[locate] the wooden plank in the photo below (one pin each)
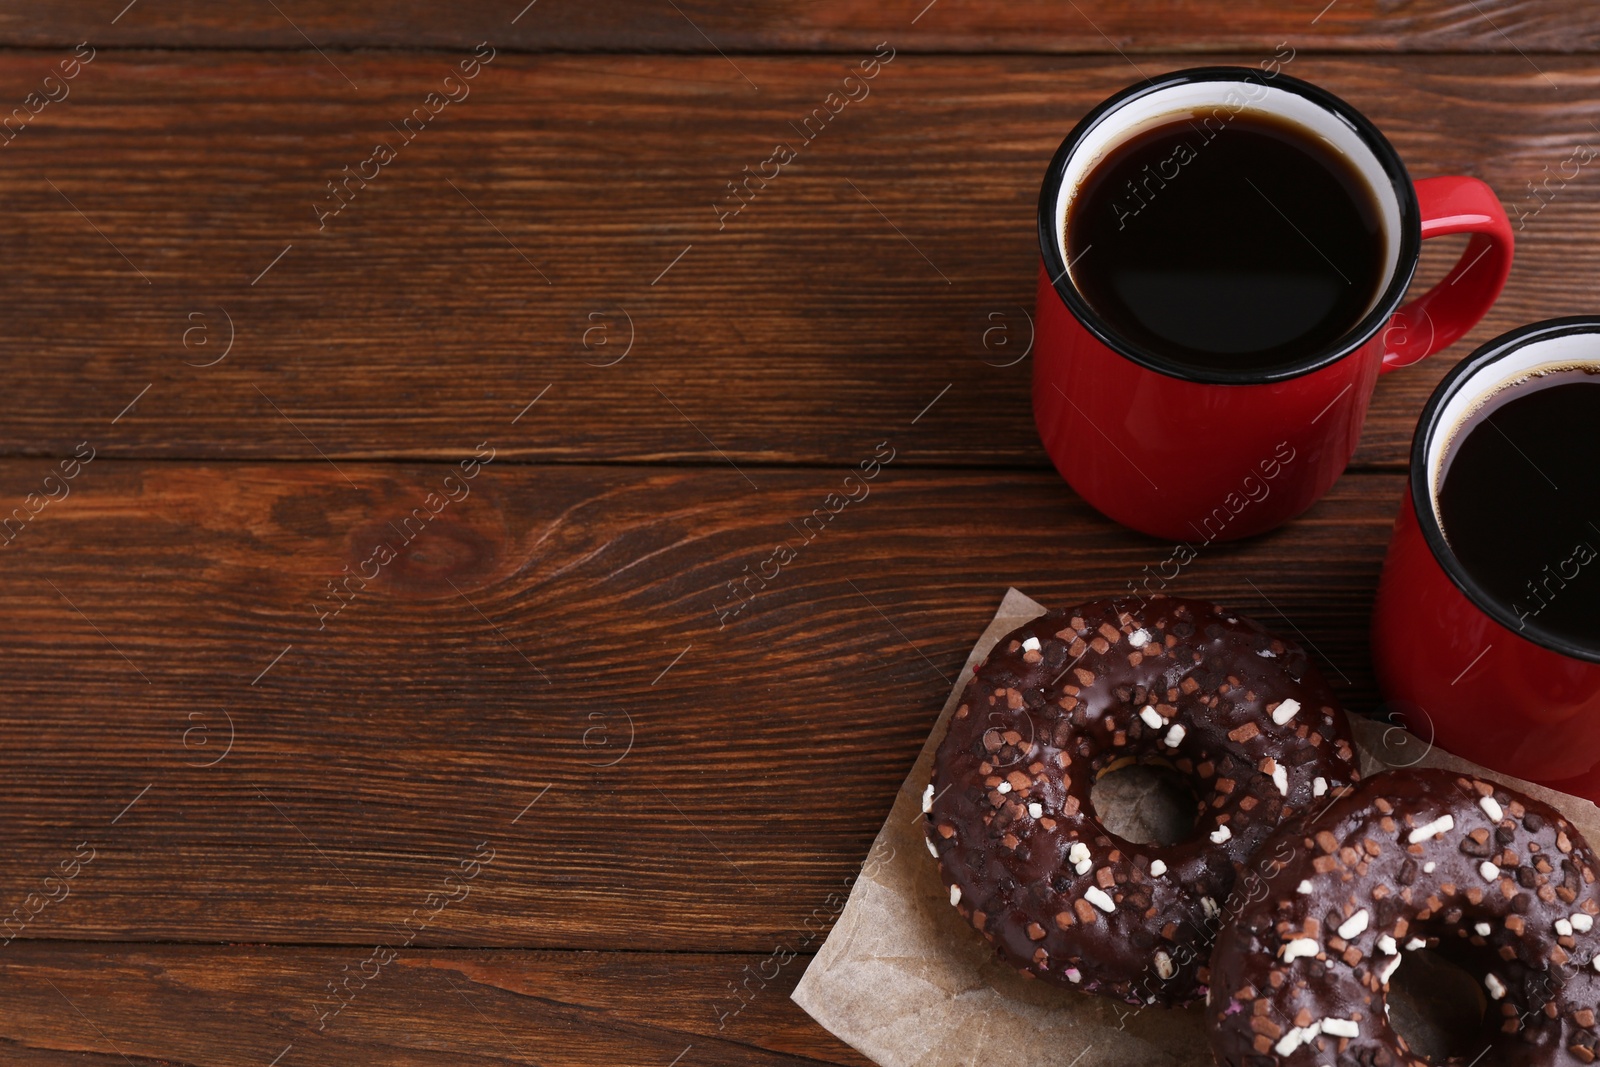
(175, 196)
(244, 1005)
(827, 25)
(550, 670)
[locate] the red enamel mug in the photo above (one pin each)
(1215, 454)
(1458, 666)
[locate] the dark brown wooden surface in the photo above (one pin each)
(379, 750)
(818, 25)
(74, 1003)
(550, 669)
(414, 326)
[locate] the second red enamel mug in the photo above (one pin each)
(1482, 674)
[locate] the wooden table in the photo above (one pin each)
(526, 788)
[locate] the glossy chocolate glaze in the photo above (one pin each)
(1500, 884)
(1071, 695)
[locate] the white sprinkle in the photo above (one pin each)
(1415, 943)
(1280, 778)
(1319, 787)
(931, 850)
(1164, 965)
(1175, 735)
(1266, 653)
(1210, 907)
(1564, 928)
(1157, 868)
(1484, 929)
(1036, 809)
(1582, 922)
(1387, 946)
(1489, 871)
(1433, 829)
(1098, 897)
(1497, 988)
(1078, 856)
(1150, 717)
(1341, 1027)
(1491, 808)
(955, 895)
(1354, 925)
(1139, 638)
(1031, 644)
(1220, 835)
(1596, 962)
(1285, 711)
(927, 799)
(1073, 974)
(1427, 868)
(1303, 946)
(1003, 787)
(1305, 885)
(1386, 972)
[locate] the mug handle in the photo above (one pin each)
(1444, 313)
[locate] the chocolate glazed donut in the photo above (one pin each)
(1074, 694)
(1494, 881)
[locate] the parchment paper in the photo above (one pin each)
(906, 981)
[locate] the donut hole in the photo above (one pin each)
(1436, 1002)
(1145, 803)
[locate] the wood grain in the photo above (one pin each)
(845, 297)
(243, 1005)
(486, 685)
(1196, 26)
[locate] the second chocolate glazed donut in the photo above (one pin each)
(1492, 880)
(1060, 701)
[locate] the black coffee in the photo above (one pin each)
(1226, 241)
(1520, 503)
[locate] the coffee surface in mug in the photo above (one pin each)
(1239, 242)
(1519, 502)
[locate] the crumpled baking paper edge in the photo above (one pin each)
(906, 981)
